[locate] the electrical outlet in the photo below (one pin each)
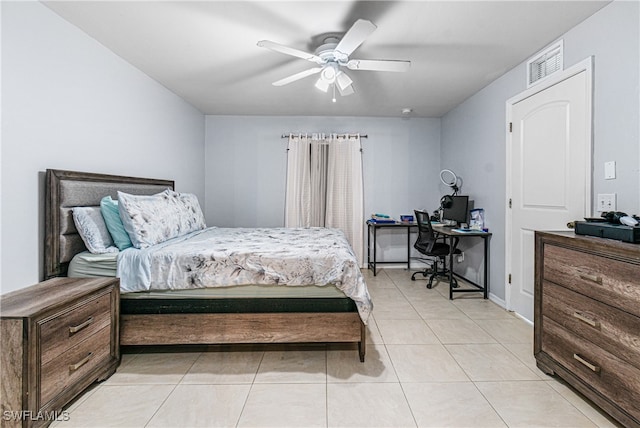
(460, 257)
(606, 202)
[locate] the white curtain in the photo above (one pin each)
(325, 185)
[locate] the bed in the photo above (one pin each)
(229, 313)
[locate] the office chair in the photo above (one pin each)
(427, 244)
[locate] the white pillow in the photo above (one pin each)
(150, 220)
(93, 230)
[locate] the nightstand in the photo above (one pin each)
(58, 337)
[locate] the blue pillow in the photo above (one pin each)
(111, 214)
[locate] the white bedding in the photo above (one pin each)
(218, 257)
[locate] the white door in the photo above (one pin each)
(549, 178)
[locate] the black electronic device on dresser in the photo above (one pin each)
(613, 225)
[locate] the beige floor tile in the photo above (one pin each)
(532, 404)
(293, 366)
(438, 309)
(202, 406)
(387, 295)
(156, 368)
(459, 331)
(367, 405)
(345, 366)
(406, 332)
(583, 404)
(479, 308)
(224, 367)
(425, 363)
(398, 310)
(285, 405)
(508, 331)
(416, 291)
(457, 404)
(381, 280)
(119, 406)
(490, 362)
(524, 352)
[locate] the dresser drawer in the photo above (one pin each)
(603, 371)
(67, 329)
(607, 327)
(67, 368)
(607, 280)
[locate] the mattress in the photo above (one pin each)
(86, 264)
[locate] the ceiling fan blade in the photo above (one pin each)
(359, 31)
(378, 65)
(297, 76)
(290, 51)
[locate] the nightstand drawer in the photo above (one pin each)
(66, 330)
(607, 280)
(75, 363)
(607, 327)
(605, 372)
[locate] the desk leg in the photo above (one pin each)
(375, 231)
(486, 266)
(450, 267)
(368, 246)
(408, 248)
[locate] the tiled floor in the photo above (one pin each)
(430, 362)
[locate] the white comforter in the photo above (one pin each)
(218, 257)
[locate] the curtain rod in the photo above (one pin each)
(326, 133)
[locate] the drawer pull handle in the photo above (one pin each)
(592, 278)
(82, 362)
(586, 363)
(587, 320)
(77, 328)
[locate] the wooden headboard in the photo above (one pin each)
(68, 189)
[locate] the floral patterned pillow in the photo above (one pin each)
(150, 220)
(93, 230)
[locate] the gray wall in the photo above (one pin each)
(70, 103)
(246, 161)
(473, 134)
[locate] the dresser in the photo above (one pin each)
(58, 337)
(587, 318)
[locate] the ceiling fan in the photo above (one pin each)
(332, 55)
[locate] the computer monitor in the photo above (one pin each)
(458, 211)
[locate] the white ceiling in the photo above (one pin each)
(206, 52)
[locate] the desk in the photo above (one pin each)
(454, 235)
(372, 229)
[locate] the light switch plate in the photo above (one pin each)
(606, 202)
(610, 170)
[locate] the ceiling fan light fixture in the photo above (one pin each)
(322, 84)
(328, 73)
(343, 80)
(346, 91)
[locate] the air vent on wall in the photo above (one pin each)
(545, 63)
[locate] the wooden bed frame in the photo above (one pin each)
(66, 189)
